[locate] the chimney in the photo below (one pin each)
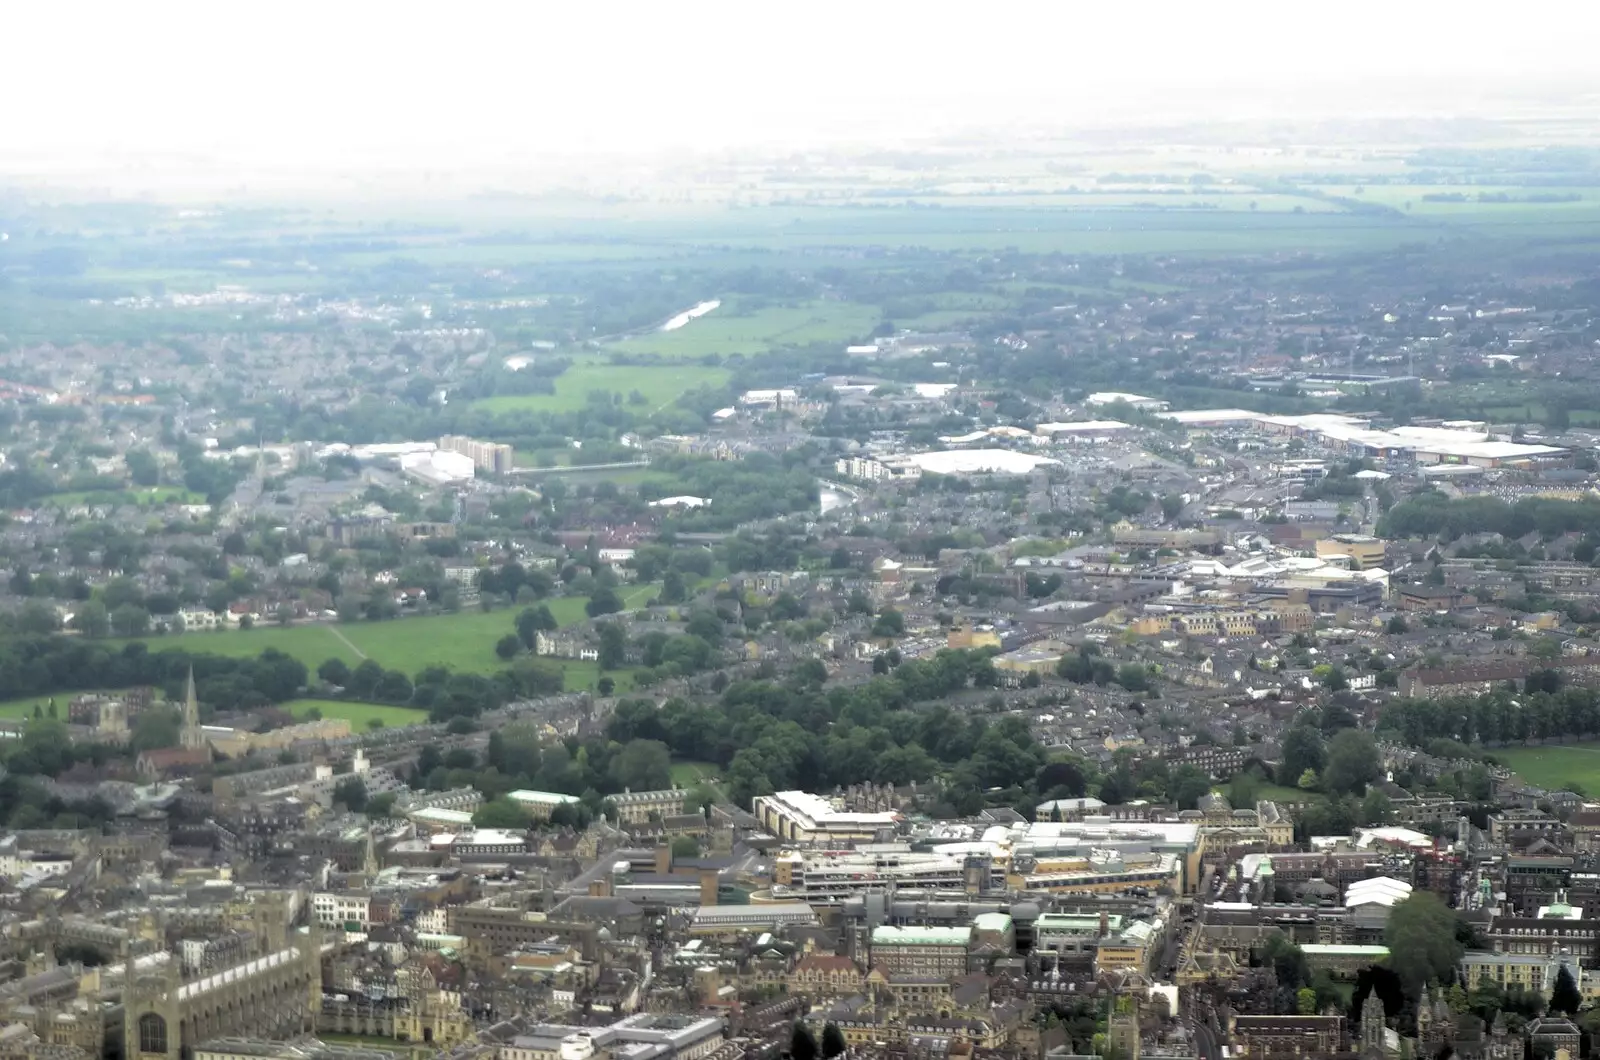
(663, 859)
(1105, 924)
(600, 888)
(708, 886)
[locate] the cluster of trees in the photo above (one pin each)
(40, 665)
(1496, 717)
(760, 486)
(443, 693)
(1087, 666)
(590, 769)
(767, 735)
(1435, 515)
(1148, 778)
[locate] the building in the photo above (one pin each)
(645, 1036)
(801, 817)
(831, 877)
(493, 457)
(938, 952)
(1343, 960)
(1529, 971)
(1364, 552)
(275, 995)
(637, 807)
(1113, 397)
(540, 804)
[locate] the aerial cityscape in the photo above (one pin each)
(1116, 582)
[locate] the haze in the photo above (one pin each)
(151, 95)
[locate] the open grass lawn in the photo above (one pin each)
(359, 715)
(661, 384)
(688, 772)
(731, 329)
(463, 641)
(311, 644)
(23, 707)
(1555, 766)
(1279, 793)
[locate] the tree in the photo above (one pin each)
(1422, 942)
(500, 813)
(508, 646)
(802, 1044)
(1171, 507)
(91, 619)
(156, 727)
(889, 623)
(1564, 996)
(605, 686)
(130, 620)
(380, 805)
(613, 645)
(351, 793)
(685, 846)
(532, 620)
(334, 672)
(37, 617)
(643, 765)
(1187, 785)
(833, 1043)
(604, 601)
(1353, 762)
(1302, 750)
(1397, 626)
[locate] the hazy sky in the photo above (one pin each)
(325, 84)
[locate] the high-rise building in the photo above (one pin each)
(495, 457)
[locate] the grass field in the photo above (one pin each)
(1573, 765)
(463, 641)
(660, 385)
(689, 772)
(359, 715)
(728, 329)
(23, 707)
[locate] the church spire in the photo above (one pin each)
(191, 736)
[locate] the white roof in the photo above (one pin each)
(1366, 837)
(978, 461)
(1082, 425)
(1107, 397)
(680, 502)
(1213, 416)
(1381, 890)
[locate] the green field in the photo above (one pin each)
(660, 385)
(687, 773)
(1573, 765)
(23, 707)
(729, 329)
(359, 715)
(462, 641)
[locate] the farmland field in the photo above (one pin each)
(728, 329)
(1573, 765)
(358, 714)
(660, 385)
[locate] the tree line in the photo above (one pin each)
(1435, 515)
(1499, 716)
